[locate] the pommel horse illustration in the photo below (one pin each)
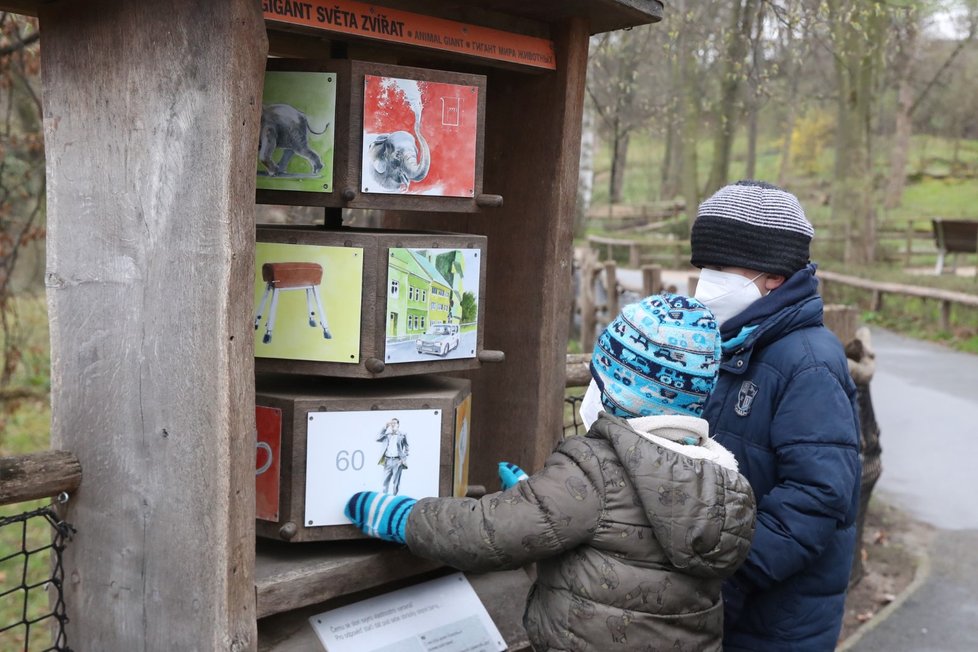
(291, 276)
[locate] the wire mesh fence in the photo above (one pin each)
(32, 608)
(572, 416)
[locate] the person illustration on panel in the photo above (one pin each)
(394, 457)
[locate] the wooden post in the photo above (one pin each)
(151, 113)
(633, 256)
(945, 315)
(841, 320)
(877, 300)
(611, 287)
(691, 284)
(651, 279)
(907, 255)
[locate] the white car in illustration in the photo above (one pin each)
(439, 340)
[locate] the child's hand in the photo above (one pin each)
(380, 515)
(510, 474)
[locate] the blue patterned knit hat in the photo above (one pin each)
(659, 356)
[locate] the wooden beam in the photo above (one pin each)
(578, 370)
(290, 576)
(25, 7)
(38, 475)
(899, 288)
(151, 111)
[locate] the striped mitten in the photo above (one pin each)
(510, 474)
(380, 515)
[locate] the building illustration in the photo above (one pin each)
(424, 288)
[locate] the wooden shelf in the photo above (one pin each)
(502, 593)
(291, 576)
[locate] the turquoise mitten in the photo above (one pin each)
(510, 474)
(380, 515)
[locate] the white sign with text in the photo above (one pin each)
(442, 615)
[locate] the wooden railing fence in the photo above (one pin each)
(946, 298)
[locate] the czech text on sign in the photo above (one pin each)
(370, 21)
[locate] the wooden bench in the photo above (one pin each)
(953, 237)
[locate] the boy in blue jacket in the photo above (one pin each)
(785, 405)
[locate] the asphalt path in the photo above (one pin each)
(926, 401)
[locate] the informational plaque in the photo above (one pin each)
(443, 615)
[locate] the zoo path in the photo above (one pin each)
(926, 402)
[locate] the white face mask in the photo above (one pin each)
(591, 405)
(726, 294)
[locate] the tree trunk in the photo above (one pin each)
(903, 120)
(585, 176)
(857, 64)
(619, 160)
(689, 129)
(667, 183)
(751, 167)
(728, 108)
(784, 167)
(672, 160)
(754, 105)
(791, 72)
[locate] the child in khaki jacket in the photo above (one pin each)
(633, 526)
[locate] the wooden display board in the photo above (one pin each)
(378, 303)
(336, 437)
(399, 137)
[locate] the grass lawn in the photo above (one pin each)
(25, 428)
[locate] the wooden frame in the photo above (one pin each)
(347, 190)
(297, 397)
(150, 191)
(373, 306)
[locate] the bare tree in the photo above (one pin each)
(619, 94)
(905, 60)
(729, 105)
(858, 30)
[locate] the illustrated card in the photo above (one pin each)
(295, 140)
(391, 451)
(432, 304)
(419, 137)
(463, 419)
(307, 302)
(268, 449)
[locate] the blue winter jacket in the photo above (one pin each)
(785, 405)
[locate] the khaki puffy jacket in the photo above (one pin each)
(632, 538)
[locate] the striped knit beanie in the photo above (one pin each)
(659, 356)
(754, 225)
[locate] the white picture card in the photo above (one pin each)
(392, 451)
